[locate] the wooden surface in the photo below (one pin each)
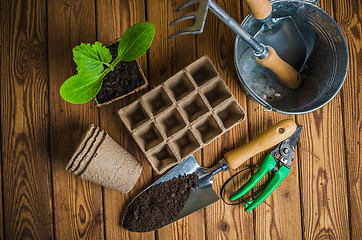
(320, 199)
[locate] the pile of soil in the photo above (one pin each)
(159, 204)
(125, 77)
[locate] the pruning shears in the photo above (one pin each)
(278, 162)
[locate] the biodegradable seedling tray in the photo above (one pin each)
(182, 115)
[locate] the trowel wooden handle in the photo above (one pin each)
(260, 9)
(285, 73)
(267, 139)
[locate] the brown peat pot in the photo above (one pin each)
(125, 79)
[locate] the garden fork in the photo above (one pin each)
(265, 55)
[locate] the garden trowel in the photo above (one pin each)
(204, 194)
(280, 33)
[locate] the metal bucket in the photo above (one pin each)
(323, 74)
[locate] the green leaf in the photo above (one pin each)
(135, 41)
(80, 88)
(90, 58)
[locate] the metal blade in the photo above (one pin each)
(188, 166)
(201, 196)
(295, 137)
(286, 39)
(285, 152)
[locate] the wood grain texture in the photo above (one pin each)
(2, 237)
(113, 18)
(78, 212)
(165, 58)
(284, 202)
(320, 199)
(323, 170)
(348, 15)
(24, 121)
(217, 41)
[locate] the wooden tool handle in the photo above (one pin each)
(260, 9)
(267, 139)
(285, 73)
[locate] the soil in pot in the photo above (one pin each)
(125, 78)
(159, 205)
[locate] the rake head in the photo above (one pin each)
(199, 15)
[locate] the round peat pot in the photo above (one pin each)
(323, 74)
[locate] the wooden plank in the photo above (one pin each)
(2, 227)
(284, 202)
(2, 237)
(24, 121)
(348, 15)
(1, 185)
(165, 58)
(323, 170)
(113, 18)
(217, 41)
(78, 212)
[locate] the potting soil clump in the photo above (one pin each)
(159, 204)
(124, 78)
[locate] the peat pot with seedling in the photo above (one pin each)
(108, 73)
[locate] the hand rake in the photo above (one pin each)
(266, 55)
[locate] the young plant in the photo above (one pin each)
(94, 62)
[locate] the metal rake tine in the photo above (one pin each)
(183, 31)
(186, 4)
(185, 16)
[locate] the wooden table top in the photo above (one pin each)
(321, 198)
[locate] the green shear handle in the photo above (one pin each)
(268, 165)
(278, 161)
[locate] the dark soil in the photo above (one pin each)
(125, 77)
(159, 204)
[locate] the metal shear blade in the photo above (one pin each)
(285, 152)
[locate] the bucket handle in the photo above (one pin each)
(267, 106)
(268, 109)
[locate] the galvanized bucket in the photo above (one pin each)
(324, 72)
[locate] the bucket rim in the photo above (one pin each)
(256, 98)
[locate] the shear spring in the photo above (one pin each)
(244, 200)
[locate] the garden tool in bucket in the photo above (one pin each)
(266, 55)
(324, 71)
(281, 33)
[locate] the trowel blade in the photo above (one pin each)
(287, 41)
(200, 197)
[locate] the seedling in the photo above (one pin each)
(94, 62)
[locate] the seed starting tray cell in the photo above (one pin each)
(182, 115)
